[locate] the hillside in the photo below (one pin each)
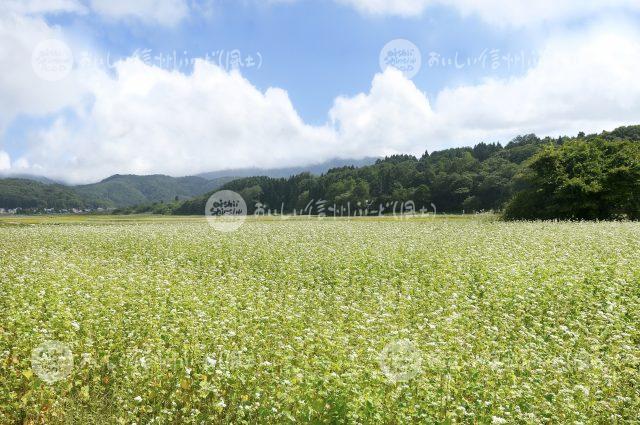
(40, 179)
(316, 169)
(122, 191)
(127, 190)
(480, 178)
(113, 192)
(22, 193)
(457, 179)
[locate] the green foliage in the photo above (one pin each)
(598, 179)
(589, 177)
(593, 178)
(130, 190)
(116, 191)
(624, 133)
(21, 193)
(481, 176)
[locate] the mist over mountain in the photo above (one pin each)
(316, 169)
(120, 191)
(32, 177)
(113, 192)
(591, 177)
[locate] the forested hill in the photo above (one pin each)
(119, 191)
(115, 191)
(484, 177)
(316, 169)
(454, 179)
(23, 193)
(589, 176)
(128, 190)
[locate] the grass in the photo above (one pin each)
(284, 321)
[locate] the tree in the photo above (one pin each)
(581, 179)
(471, 204)
(422, 196)
(591, 177)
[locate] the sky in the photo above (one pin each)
(91, 88)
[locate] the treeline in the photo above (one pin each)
(590, 177)
(22, 193)
(470, 179)
(115, 191)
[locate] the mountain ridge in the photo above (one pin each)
(317, 169)
(126, 190)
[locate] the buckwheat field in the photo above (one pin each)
(386, 321)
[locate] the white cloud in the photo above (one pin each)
(498, 12)
(5, 161)
(21, 91)
(585, 81)
(151, 120)
(164, 12)
(148, 120)
(393, 117)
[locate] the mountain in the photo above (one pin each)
(23, 193)
(114, 192)
(484, 177)
(316, 169)
(127, 190)
(121, 191)
(40, 179)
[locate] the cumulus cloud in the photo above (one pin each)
(498, 12)
(583, 81)
(148, 120)
(394, 117)
(21, 90)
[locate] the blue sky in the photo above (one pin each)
(331, 98)
(316, 50)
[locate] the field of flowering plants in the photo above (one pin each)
(325, 321)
